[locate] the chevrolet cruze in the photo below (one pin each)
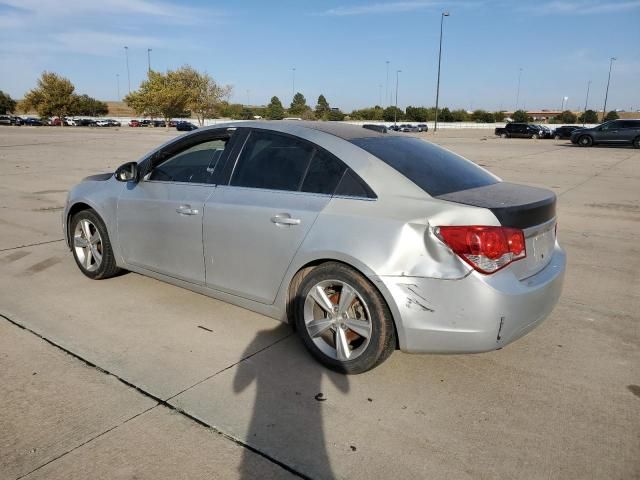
(364, 241)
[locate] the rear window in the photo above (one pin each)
(434, 169)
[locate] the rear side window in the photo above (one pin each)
(324, 173)
(434, 169)
(272, 161)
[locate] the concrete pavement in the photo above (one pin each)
(563, 402)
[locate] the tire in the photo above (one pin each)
(557, 137)
(636, 142)
(316, 307)
(535, 136)
(94, 257)
(585, 141)
(503, 135)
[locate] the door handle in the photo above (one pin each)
(186, 210)
(285, 219)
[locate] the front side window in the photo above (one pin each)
(193, 165)
(272, 161)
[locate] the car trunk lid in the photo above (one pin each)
(530, 209)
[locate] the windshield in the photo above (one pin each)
(436, 170)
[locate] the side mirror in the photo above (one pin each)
(127, 172)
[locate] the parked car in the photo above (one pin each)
(84, 122)
(423, 127)
(615, 132)
(564, 131)
(365, 241)
(519, 130)
(394, 127)
(134, 123)
(408, 128)
(545, 132)
(32, 122)
(10, 120)
(376, 127)
(185, 126)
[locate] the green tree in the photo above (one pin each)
(298, 104)
(567, 116)
(416, 114)
(162, 94)
(460, 115)
(612, 115)
(375, 113)
(590, 116)
(52, 97)
(499, 116)
(445, 115)
(275, 111)
(86, 105)
(393, 113)
(322, 108)
(205, 95)
(335, 115)
(7, 104)
(520, 116)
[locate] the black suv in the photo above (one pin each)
(520, 130)
(615, 132)
(564, 132)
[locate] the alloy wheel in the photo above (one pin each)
(337, 320)
(87, 244)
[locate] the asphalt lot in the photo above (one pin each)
(134, 378)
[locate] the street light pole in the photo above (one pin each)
(386, 92)
(444, 14)
(606, 95)
(118, 83)
(518, 93)
(149, 59)
(126, 52)
(395, 112)
(293, 83)
(586, 101)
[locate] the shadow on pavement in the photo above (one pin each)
(285, 421)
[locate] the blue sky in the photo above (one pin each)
(337, 47)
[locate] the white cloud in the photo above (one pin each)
(587, 7)
(376, 8)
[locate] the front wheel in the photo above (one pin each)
(343, 320)
(503, 135)
(636, 142)
(585, 141)
(91, 246)
(535, 136)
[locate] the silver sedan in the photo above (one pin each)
(364, 241)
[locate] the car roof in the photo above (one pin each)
(341, 130)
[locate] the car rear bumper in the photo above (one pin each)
(477, 313)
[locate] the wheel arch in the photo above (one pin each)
(301, 272)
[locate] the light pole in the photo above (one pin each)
(149, 59)
(293, 83)
(395, 112)
(118, 84)
(586, 102)
(126, 53)
(606, 95)
(386, 92)
(518, 93)
(444, 14)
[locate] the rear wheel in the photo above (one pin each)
(343, 320)
(91, 246)
(535, 136)
(585, 141)
(636, 142)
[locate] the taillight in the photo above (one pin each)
(487, 249)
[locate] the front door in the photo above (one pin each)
(160, 218)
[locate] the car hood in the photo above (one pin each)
(99, 177)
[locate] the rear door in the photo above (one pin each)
(612, 132)
(159, 219)
(254, 225)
